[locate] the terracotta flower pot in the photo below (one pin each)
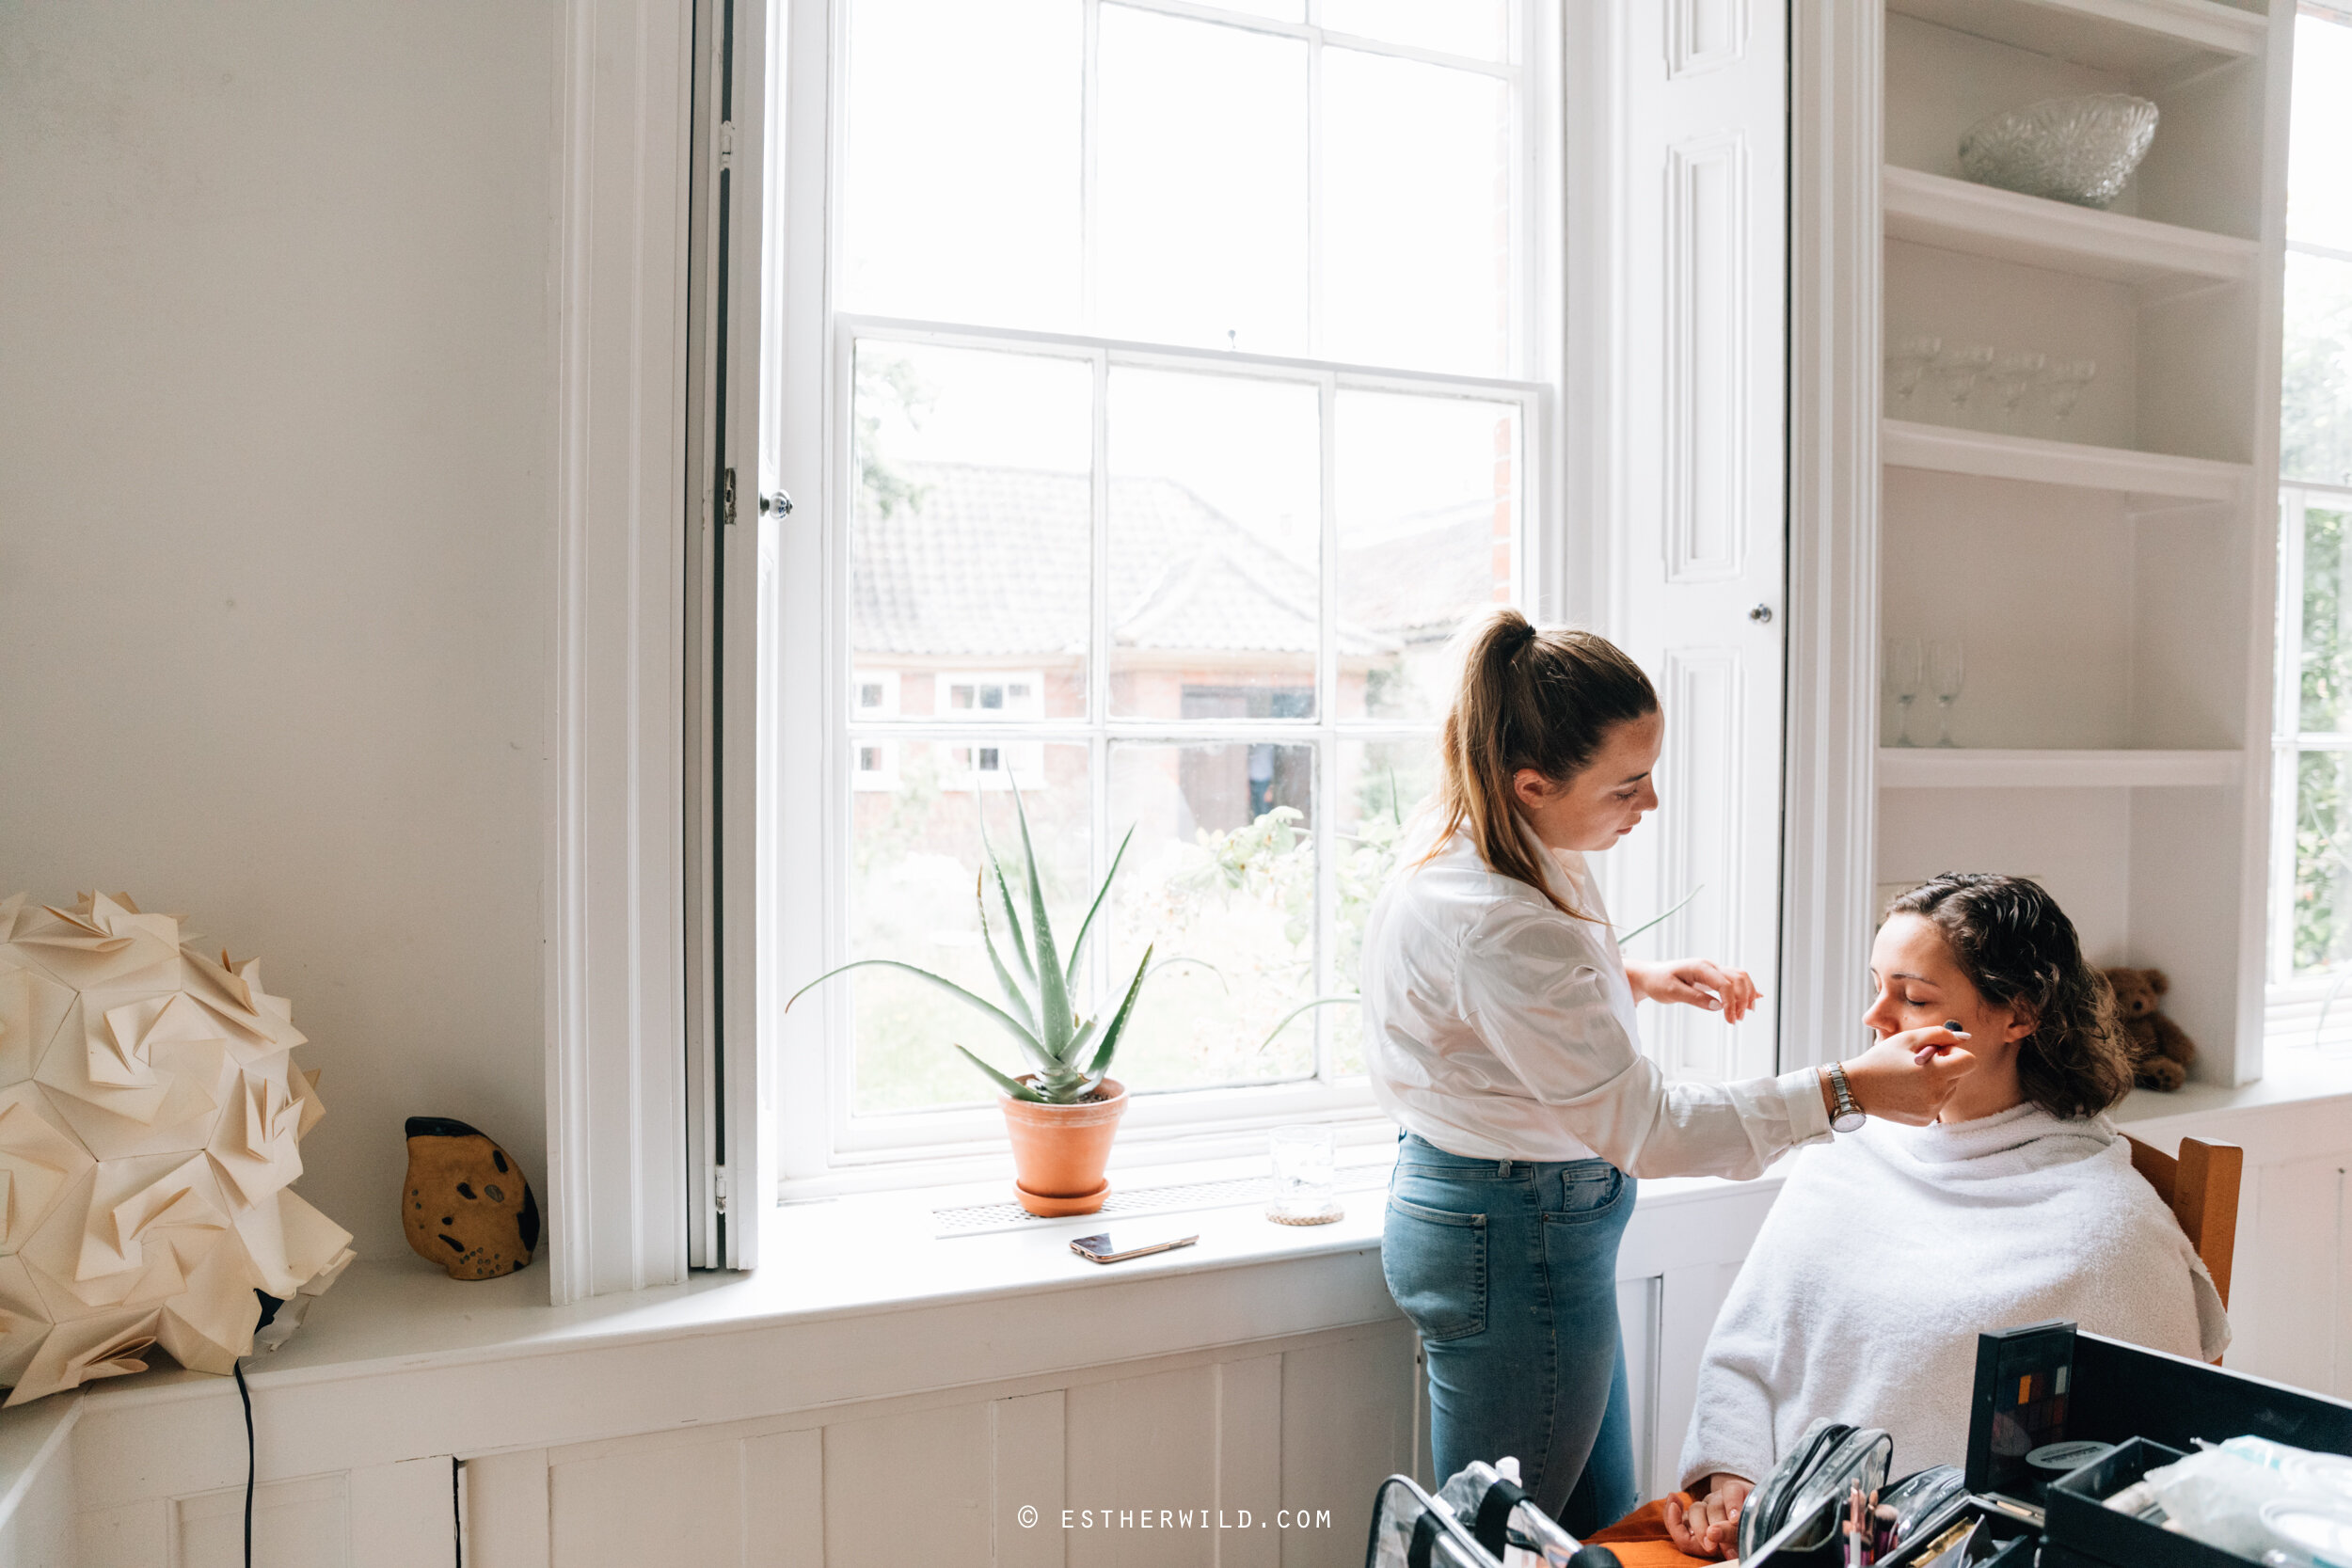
(1058, 1151)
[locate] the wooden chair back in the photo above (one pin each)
(2200, 1187)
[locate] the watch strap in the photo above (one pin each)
(1850, 1113)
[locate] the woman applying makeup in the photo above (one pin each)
(1501, 1035)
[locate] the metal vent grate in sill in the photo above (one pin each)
(979, 1219)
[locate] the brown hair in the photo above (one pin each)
(1534, 699)
(2020, 951)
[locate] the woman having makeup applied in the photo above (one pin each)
(1500, 1034)
(1888, 1252)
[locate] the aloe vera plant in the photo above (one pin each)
(1069, 1056)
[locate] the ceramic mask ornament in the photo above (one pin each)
(465, 1204)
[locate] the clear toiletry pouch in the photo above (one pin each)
(1828, 1461)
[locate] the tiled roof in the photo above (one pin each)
(994, 563)
(1420, 582)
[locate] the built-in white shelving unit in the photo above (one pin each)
(2103, 560)
(2153, 481)
(2139, 39)
(1979, 221)
(1985, 768)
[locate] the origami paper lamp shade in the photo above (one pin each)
(150, 1110)
(464, 1205)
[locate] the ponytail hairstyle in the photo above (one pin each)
(2017, 948)
(1534, 699)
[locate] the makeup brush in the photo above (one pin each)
(1926, 1054)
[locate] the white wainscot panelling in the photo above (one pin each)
(1706, 379)
(1706, 34)
(1197, 1460)
(1704, 768)
(397, 1516)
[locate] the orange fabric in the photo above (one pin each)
(1640, 1539)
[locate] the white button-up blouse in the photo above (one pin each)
(1498, 1028)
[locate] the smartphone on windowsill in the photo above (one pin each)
(1101, 1249)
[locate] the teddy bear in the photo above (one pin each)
(2160, 1050)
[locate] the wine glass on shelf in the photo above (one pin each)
(2068, 381)
(1908, 362)
(1902, 683)
(1961, 367)
(2010, 374)
(1948, 672)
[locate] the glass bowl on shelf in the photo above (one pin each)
(2077, 150)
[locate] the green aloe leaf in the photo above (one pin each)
(1030, 1045)
(1069, 974)
(1012, 1086)
(1656, 920)
(1086, 1032)
(1052, 990)
(1012, 918)
(1284, 1022)
(1013, 993)
(1101, 1062)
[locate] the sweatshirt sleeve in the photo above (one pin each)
(1534, 992)
(1731, 1421)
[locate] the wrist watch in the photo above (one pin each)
(1850, 1117)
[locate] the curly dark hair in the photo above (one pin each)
(2019, 950)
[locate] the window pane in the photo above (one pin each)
(1416, 241)
(1428, 519)
(914, 864)
(1222, 875)
(972, 536)
(2323, 861)
(959, 200)
(2315, 402)
(1479, 28)
(1201, 182)
(1383, 784)
(2319, 197)
(2327, 694)
(1215, 522)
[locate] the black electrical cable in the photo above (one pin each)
(246, 1395)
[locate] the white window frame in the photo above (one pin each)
(822, 1148)
(2295, 1006)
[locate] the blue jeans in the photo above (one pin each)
(1509, 1271)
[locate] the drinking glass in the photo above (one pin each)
(2067, 382)
(1304, 1191)
(2010, 374)
(1909, 362)
(1949, 672)
(1961, 367)
(1902, 682)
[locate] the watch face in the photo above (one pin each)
(1850, 1122)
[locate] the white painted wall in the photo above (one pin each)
(277, 366)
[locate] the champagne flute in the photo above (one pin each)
(1902, 683)
(1949, 672)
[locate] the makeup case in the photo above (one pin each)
(2062, 1420)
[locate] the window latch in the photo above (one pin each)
(780, 503)
(726, 498)
(719, 1188)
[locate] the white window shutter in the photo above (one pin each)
(1698, 561)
